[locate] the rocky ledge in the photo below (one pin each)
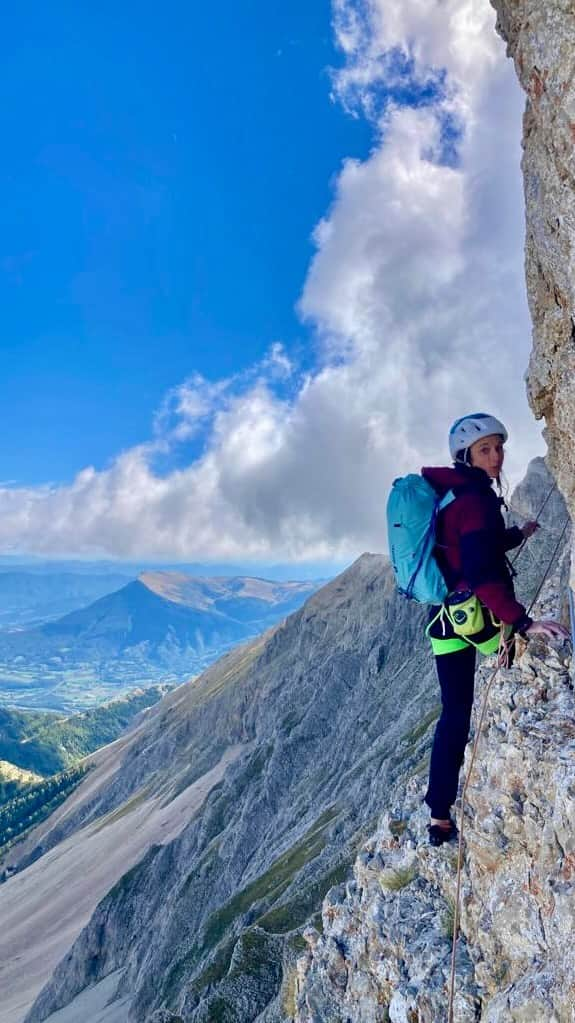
(385, 948)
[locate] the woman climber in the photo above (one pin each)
(471, 545)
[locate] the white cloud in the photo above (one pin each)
(421, 263)
(455, 36)
(186, 408)
(278, 362)
(416, 294)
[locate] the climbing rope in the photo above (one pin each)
(502, 661)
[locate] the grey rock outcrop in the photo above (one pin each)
(540, 36)
(385, 950)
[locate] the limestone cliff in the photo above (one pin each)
(540, 36)
(385, 950)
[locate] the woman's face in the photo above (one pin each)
(488, 454)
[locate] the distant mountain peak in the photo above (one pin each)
(174, 586)
(204, 592)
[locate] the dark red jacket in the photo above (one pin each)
(472, 541)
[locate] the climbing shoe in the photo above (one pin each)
(439, 835)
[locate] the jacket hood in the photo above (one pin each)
(444, 478)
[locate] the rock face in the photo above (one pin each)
(540, 38)
(385, 951)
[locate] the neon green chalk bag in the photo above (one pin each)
(465, 613)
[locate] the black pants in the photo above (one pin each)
(456, 672)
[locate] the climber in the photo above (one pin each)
(471, 541)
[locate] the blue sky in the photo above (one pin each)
(234, 309)
(163, 169)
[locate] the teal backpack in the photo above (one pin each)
(412, 510)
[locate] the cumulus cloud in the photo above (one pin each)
(415, 298)
(186, 408)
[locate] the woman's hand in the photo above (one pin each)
(547, 627)
(529, 528)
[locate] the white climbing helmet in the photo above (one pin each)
(468, 429)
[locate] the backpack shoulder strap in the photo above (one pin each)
(446, 499)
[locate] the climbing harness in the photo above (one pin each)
(503, 657)
(463, 621)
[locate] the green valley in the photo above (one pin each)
(46, 743)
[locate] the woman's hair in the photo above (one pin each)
(463, 456)
(503, 488)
